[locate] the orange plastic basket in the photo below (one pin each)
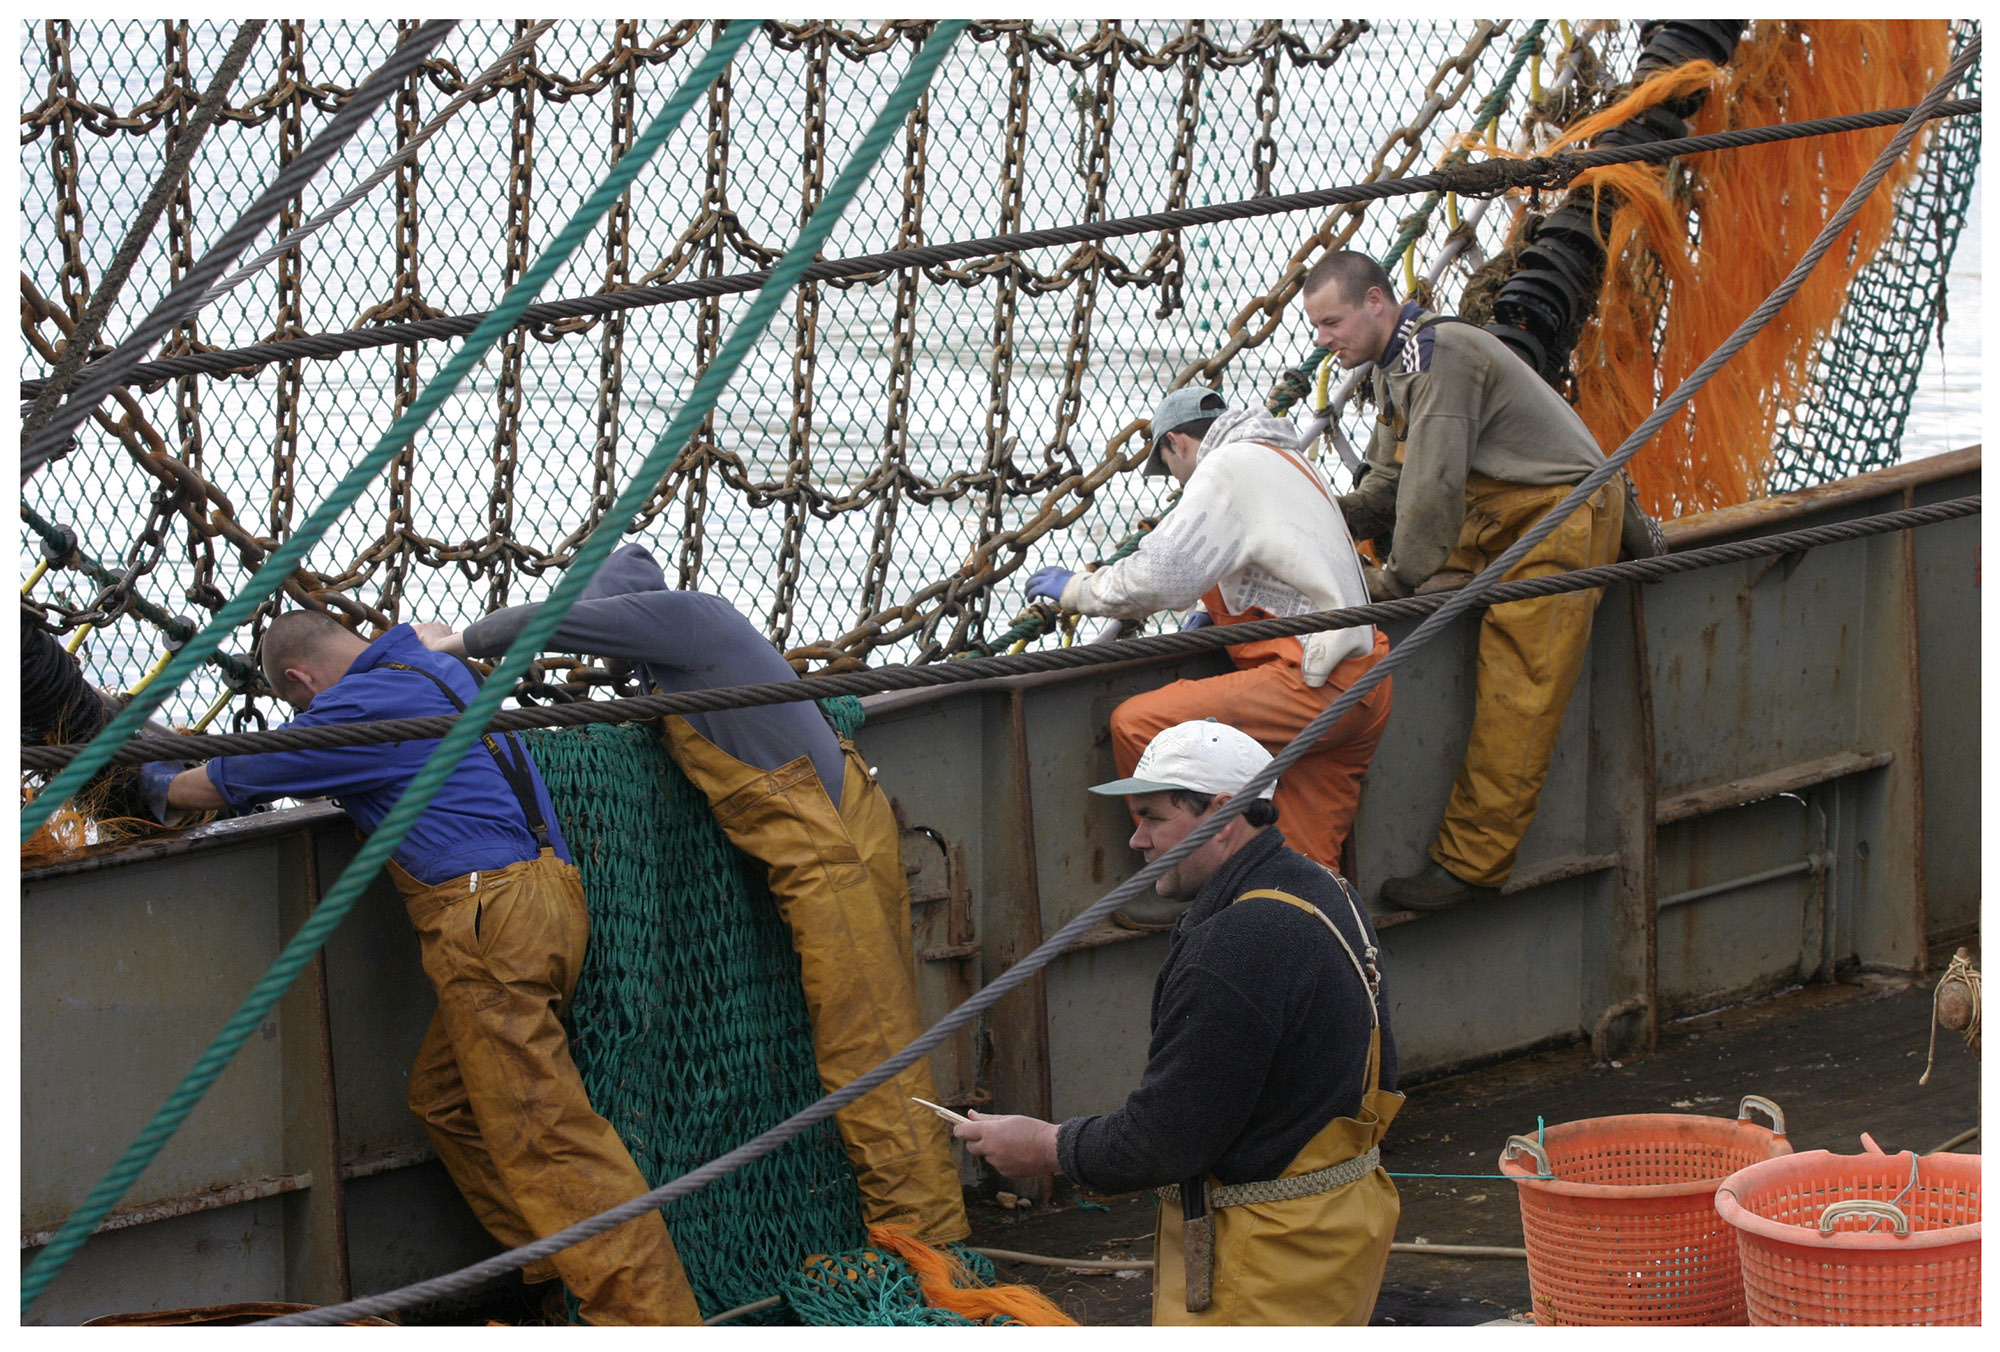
(1626, 1231)
(1858, 1239)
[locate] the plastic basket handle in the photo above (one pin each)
(1521, 1145)
(1887, 1211)
(1770, 1110)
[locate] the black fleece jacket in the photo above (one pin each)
(1260, 1035)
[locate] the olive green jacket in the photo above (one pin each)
(1454, 400)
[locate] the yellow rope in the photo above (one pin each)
(34, 577)
(221, 703)
(151, 672)
(76, 639)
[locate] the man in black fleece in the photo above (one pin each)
(1271, 1059)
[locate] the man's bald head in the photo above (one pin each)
(305, 651)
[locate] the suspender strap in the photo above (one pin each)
(514, 771)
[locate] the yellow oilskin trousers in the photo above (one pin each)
(837, 876)
(501, 1099)
(1530, 653)
(1303, 1260)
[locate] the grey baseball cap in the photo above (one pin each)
(1176, 409)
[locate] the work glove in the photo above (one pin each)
(155, 777)
(1383, 586)
(1048, 583)
(1322, 655)
(1197, 619)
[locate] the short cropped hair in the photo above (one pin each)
(1261, 813)
(1353, 273)
(292, 636)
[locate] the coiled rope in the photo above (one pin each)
(1029, 966)
(334, 906)
(1482, 179)
(1207, 639)
(101, 377)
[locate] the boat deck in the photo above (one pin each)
(1839, 1059)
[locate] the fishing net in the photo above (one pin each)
(689, 1023)
(689, 1027)
(1865, 377)
(874, 486)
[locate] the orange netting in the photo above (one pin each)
(948, 1285)
(1758, 207)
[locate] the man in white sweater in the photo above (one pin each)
(1256, 534)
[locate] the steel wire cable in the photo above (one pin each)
(1210, 638)
(1030, 965)
(410, 805)
(334, 906)
(101, 377)
(278, 565)
(491, 75)
(186, 141)
(1480, 179)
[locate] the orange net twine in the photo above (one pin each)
(948, 1285)
(1668, 302)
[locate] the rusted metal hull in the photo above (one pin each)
(1769, 772)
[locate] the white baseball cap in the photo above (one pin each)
(1204, 756)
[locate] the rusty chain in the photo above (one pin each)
(943, 613)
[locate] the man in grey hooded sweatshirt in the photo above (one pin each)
(791, 794)
(1255, 534)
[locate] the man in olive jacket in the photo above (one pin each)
(1470, 449)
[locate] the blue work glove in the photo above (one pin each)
(154, 779)
(1048, 583)
(1199, 619)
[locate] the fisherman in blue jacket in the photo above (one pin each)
(792, 795)
(499, 911)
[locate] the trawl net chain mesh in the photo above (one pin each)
(886, 454)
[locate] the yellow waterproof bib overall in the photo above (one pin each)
(502, 1101)
(837, 876)
(1317, 1259)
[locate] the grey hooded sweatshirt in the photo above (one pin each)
(678, 641)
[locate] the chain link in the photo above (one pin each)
(1009, 496)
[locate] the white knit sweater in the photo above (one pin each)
(1255, 518)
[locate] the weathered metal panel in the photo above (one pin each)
(126, 976)
(1098, 1012)
(1947, 560)
(1755, 666)
(208, 1258)
(1746, 939)
(1479, 980)
(381, 1005)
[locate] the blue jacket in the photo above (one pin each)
(473, 822)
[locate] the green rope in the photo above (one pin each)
(281, 564)
(1489, 113)
(50, 1261)
(452, 747)
(1296, 381)
(174, 626)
